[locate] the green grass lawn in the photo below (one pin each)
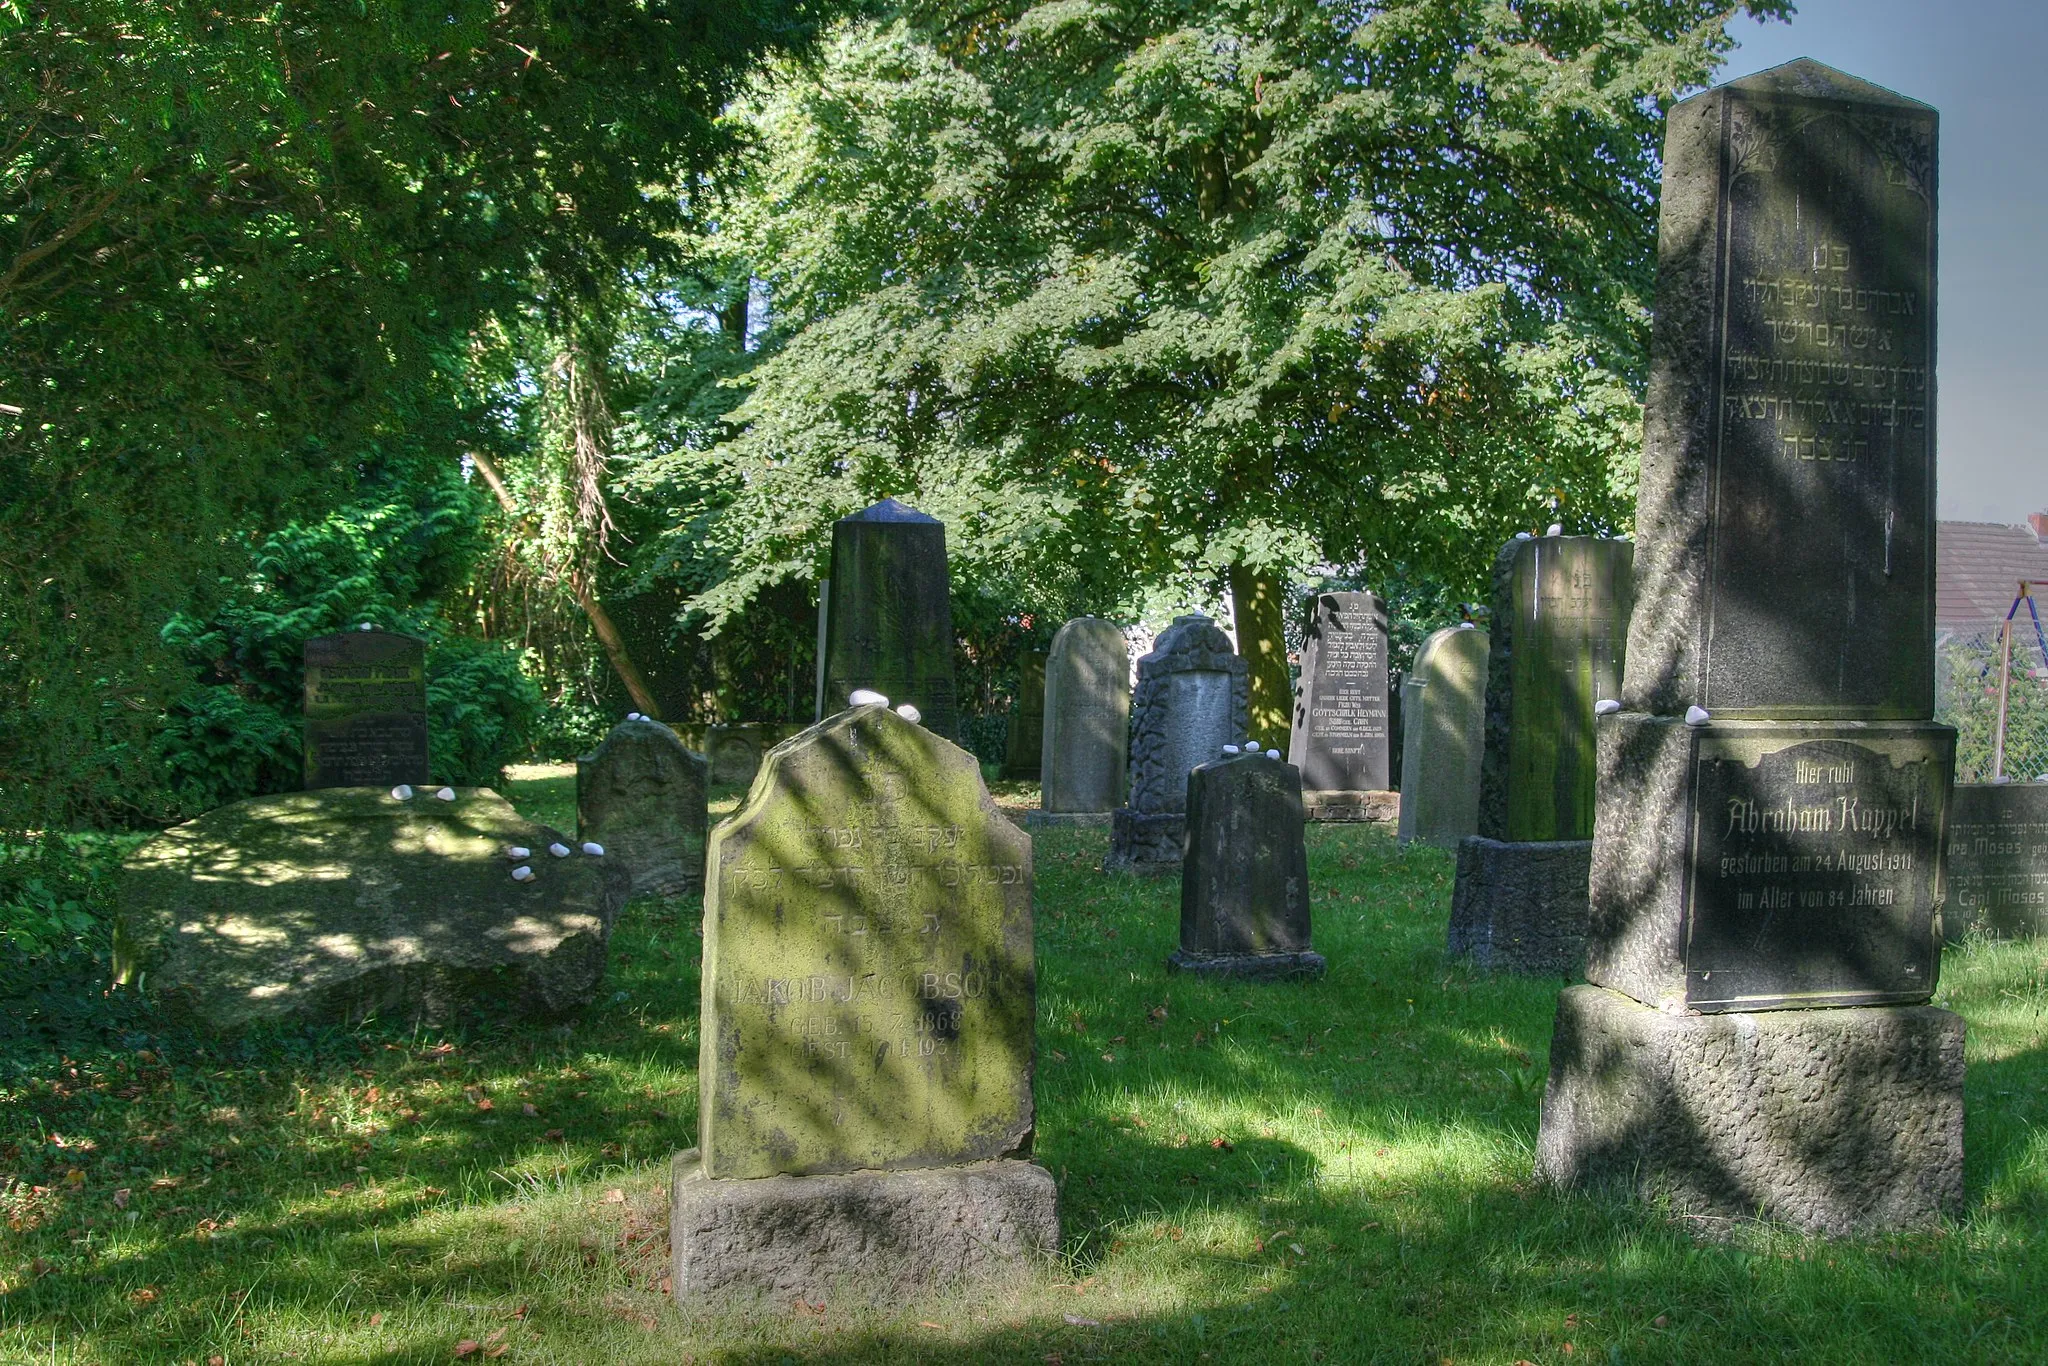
(1328, 1172)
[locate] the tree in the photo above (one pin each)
(245, 249)
(1131, 289)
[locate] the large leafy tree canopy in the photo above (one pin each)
(251, 255)
(1125, 290)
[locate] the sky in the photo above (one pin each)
(1984, 65)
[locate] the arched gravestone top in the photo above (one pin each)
(366, 710)
(1342, 721)
(1560, 621)
(1244, 889)
(640, 794)
(868, 971)
(1444, 734)
(1087, 718)
(889, 624)
(1193, 698)
(1786, 517)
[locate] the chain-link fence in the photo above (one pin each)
(1968, 668)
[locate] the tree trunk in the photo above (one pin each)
(1255, 607)
(600, 620)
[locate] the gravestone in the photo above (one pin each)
(1998, 861)
(1244, 894)
(734, 749)
(867, 1033)
(1087, 725)
(1193, 698)
(640, 794)
(345, 904)
(1021, 756)
(1343, 723)
(1559, 624)
(889, 622)
(366, 710)
(1443, 725)
(1773, 794)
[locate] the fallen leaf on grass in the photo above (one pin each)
(614, 1196)
(1222, 1144)
(466, 1347)
(520, 1313)
(146, 1295)
(376, 1319)
(927, 1323)
(529, 1111)
(122, 1197)
(552, 1135)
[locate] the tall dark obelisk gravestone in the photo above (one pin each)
(1244, 894)
(889, 623)
(867, 1033)
(1193, 698)
(1087, 725)
(366, 710)
(1766, 889)
(1560, 622)
(1342, 737)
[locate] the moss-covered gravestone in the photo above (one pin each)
(1244, 896)
(868, 1011)
(335, 906)
(1087, 725)
(1443, 716)
(1560, 621)
(640, 795)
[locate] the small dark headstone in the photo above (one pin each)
(889, 625)
(1244, 897)
(1998, 860)
(1343, 730)
(734, 749)
(1193, 698)
(366, 710)
(640, 795)
(1021, 755)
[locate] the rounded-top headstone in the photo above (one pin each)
(640, 795)
(1087, 718)
(1443, 725)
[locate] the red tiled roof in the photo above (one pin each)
(1977, 569)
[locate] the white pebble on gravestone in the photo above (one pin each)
(1606, 706)
(559, 850)
(1523, 536)
(1231, 749)
(446, 794)
(1556, 529)
(402, 793)
(593, 848)
(861, 697)
(522, 874)
(910, 713)
(1272, 754)
(364, 627)
(517, 852)
(1697, 716)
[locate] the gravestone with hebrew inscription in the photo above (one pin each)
(1773, 796)
(1560, 621)
(889, 620)
(1443, 727)
(1087, 725)
(867, 1033)
(1244, 893)
(366, 710)
(1193, 698)
(640, 795)
(1997, 861)
(1342, 738)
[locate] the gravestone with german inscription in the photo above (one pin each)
(1244, 893)
(1443, 733)
(1773, 796)
(640, 795)
(889, 619)
(1559, 626)
(867, 1031)
(1997, 861)
(366, 710)
(1193, 698)
(1342, 738)
(1087, 725)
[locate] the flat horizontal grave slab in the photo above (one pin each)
(871, 1235)
(1255, 967)
(1833, 1121)
(1759, 865)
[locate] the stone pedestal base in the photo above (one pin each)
(1145, 844)
(1521, 907)
(1835, 1121)
(1066, 820)
(1382, 807)
(1256, 967)
(872, 1235)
